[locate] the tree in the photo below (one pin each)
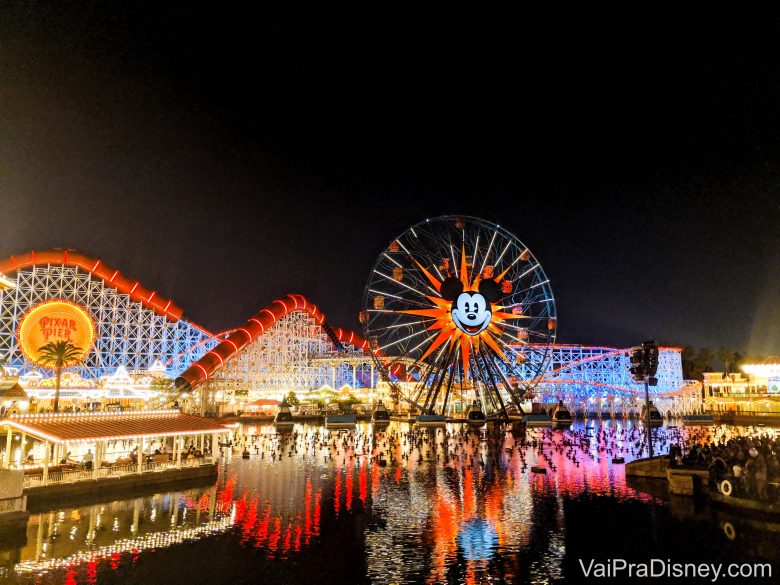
(703, 362)
(726, 356)
(688, 360)
(292, 399)
(59, 355)
(162, 385)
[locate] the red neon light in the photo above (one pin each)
(87, 264)
(151, 296)
(219, 357)
(299, 302)
(135, 286)
(202, 369)
(168, 304)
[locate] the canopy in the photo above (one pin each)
(93, 426)
(264, 402)
(11, 389)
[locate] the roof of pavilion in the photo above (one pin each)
(111, 426)
(264, 402)
(11, 389)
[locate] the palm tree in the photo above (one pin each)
(59, 355)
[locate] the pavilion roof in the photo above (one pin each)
(264, 402)
(11, 389)
(123, 425)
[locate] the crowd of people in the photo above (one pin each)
(749, 457)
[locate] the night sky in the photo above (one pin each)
(225, 159)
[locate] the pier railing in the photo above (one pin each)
(75, 475)
(12, 504)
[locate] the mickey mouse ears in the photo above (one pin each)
(490, 290)
(452, 287)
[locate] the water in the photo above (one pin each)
(314, 507)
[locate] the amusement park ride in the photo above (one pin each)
(456, 309)
(457, 306)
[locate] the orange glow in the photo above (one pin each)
(53, 321)
(449, 332)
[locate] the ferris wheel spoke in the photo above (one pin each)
(399, 325)
(493, 385)
(487, 254)
(514, 327)
(498, 261)
(393, 260)
(438, 380)
(528, 271)
(397, 297)
(399, 283)
(454, 263)
(533, 286)
(418, 346)
(491, 342)
(474, 258)
(513, 338)
(383, 348)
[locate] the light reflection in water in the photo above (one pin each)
(436, 505)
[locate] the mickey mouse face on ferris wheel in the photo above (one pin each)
(471, 311)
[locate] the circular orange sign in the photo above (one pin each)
(53, 321)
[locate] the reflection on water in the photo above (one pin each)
(379, 506)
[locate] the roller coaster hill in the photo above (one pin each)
(286, 346)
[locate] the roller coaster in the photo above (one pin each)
(287, 345)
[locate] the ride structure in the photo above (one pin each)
(134, 325)
(290, 346)
(459, 307)
(287, 346)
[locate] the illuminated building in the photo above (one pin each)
(754, 391)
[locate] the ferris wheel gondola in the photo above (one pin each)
(458, 307)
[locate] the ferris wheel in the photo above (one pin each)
(458, 309)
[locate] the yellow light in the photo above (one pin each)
(6, 282)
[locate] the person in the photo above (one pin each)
(760, 476)
(718, 467)
(88, 459)
(675, 455)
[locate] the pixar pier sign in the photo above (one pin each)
(58, 328)
(52, 321)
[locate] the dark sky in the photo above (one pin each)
(225, 159)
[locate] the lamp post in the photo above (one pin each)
(644, 365)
